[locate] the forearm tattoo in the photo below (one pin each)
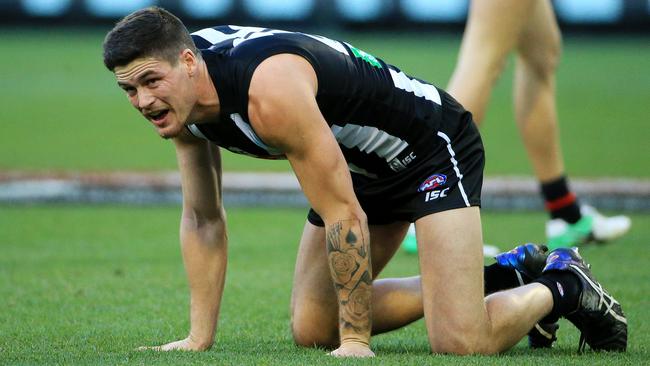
(349, 259)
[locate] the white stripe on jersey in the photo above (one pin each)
(455, 163)
(214, 36)
(247, 130)
(429, 92)
(251, 36)
(330, 42)
(355, 169)
(369, 139)
(196, 132)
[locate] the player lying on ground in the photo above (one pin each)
(374, 150)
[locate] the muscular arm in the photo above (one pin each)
(289, 118)
(349, 260)
(203, 239)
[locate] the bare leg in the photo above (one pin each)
(531, 29)
(493, 30)
(538, 52)
(459, 319)
(314, 308)
(396, 303)
(314, 305)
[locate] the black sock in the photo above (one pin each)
(498, 278)
(560, 201)
(566, 288)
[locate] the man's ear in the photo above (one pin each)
(188, 58)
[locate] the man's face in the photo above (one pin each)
(162, 93)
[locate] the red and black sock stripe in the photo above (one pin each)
(559, 201)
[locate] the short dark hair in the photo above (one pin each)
(149, 32)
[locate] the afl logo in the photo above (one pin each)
(433, 182)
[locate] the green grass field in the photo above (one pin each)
(83, 285)
(87, 285)
(62, 110)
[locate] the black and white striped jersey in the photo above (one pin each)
(384, 120)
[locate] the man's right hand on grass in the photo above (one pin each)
(187, 344)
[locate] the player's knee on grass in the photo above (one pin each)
(460, 339)
(459, 344)
(310, 327)
(314, 336)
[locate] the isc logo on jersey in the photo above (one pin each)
(430, 185)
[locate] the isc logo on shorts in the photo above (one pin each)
(398, 165)
(434, 195)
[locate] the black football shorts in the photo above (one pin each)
(450, 176)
